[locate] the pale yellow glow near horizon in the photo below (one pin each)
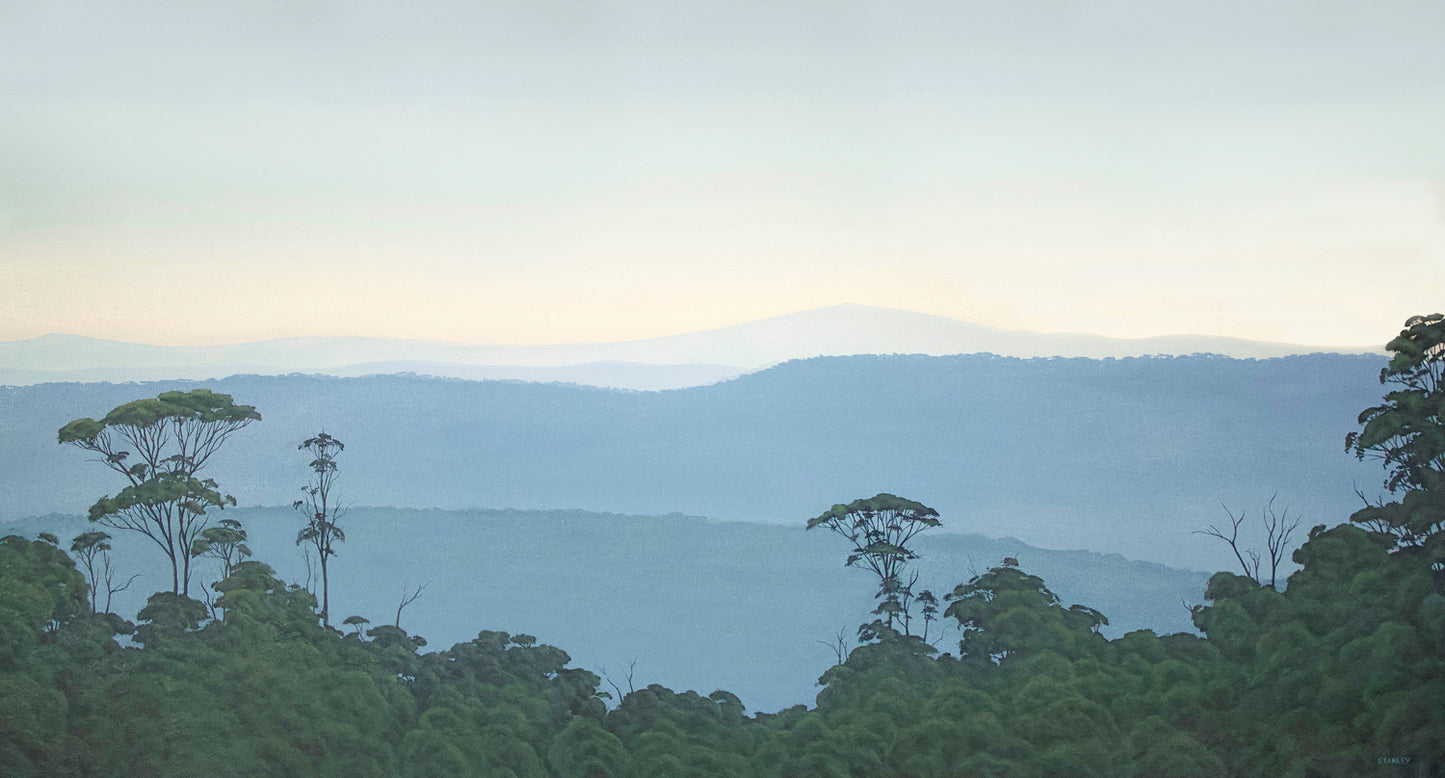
(1328, 265)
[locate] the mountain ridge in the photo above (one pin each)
(690, 359)
(1125, 455)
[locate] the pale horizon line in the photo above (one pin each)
(707, 330)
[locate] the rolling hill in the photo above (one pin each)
(1125, 456)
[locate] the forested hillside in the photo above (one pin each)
(1120, 456)
(1338, 673)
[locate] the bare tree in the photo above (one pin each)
(1278, 526)
(1374, 518)
(839, 644)
(108, 576)
(210, 601)
(1232, 539)
(407, 599)
(631, 670)
(310, 572)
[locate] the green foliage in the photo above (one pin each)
(51, 649)
(40, 589)
(1006, 612)
(585, 750)
(253, 594)
(880, 529)
(684, 734)
(1343, 666)
(265, 692)
(190, 498)
(32, 724)
(160, 446)
(457, 736)
(166, 616)
(226, 543)
(1407, 434)
(89, 548)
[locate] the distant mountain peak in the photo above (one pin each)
(671, 361)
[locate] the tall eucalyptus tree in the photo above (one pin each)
(321, 510)
(880, 529)
(161, 446)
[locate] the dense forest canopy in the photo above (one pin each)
(1340, 672)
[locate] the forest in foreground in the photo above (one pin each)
(1340, 671)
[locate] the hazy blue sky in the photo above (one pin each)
(532, 172)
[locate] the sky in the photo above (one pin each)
(549, 172)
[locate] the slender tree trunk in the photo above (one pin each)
(325, 596)
(186, 576)
(94, 582)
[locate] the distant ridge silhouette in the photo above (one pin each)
(1127, 455)
(669, 362)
